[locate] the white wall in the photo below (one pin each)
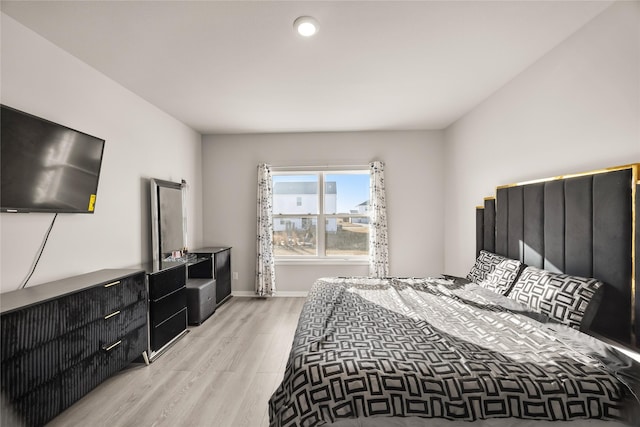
(414, 181)
(141, 142)
(576, 109)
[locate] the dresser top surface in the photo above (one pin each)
(210, 249)
(153, 267)
(20, 298)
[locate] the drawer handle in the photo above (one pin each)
(108, 285)
(112, 346)
(115, 313)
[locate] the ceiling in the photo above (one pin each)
(238, 66)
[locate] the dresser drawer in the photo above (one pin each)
(94, 303)
(166, 282)
(84, 376)
(134, 316)
(26, 371)
(135, 342)
(167, 306)
(83, 342)
(169, 329)
(28, 328)
(36, 407)
(134, 289)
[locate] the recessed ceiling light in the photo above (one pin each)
(306, 26)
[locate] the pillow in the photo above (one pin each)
(495, 272)
(562, 297)
(484, 264)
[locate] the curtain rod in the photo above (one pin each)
(318, 166)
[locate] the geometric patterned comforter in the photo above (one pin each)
(368, 347)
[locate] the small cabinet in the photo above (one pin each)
(221, 262)
(167, 305)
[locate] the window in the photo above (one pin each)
(321, 214)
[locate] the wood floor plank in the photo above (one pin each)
(222, 373)
(201, 405)
(243, 380)
(253, 408)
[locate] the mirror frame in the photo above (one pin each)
(156, 184)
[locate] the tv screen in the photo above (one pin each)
(46, 167)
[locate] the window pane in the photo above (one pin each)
(294, 236)
(347, 236)
(346, 193)
(295, 194)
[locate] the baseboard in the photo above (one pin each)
(296, 294)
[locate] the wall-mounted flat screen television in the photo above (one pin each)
(46, 167)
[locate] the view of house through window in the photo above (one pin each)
(321, 214)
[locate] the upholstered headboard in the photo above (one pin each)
(580, 224)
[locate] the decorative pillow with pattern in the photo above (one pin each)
(503, 276)
(495, 272)
(485, 263)
(562, 297)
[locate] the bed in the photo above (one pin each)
(527, 338)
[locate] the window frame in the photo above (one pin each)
(321, 217)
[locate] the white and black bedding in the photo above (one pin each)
(444, 349)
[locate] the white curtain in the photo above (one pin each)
(378, 248)
(265, 267)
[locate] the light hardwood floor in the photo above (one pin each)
(222, 373)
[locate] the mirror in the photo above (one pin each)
(168, 220)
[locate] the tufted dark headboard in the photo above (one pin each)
(581, 224)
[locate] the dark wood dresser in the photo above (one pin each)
(61, 339)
